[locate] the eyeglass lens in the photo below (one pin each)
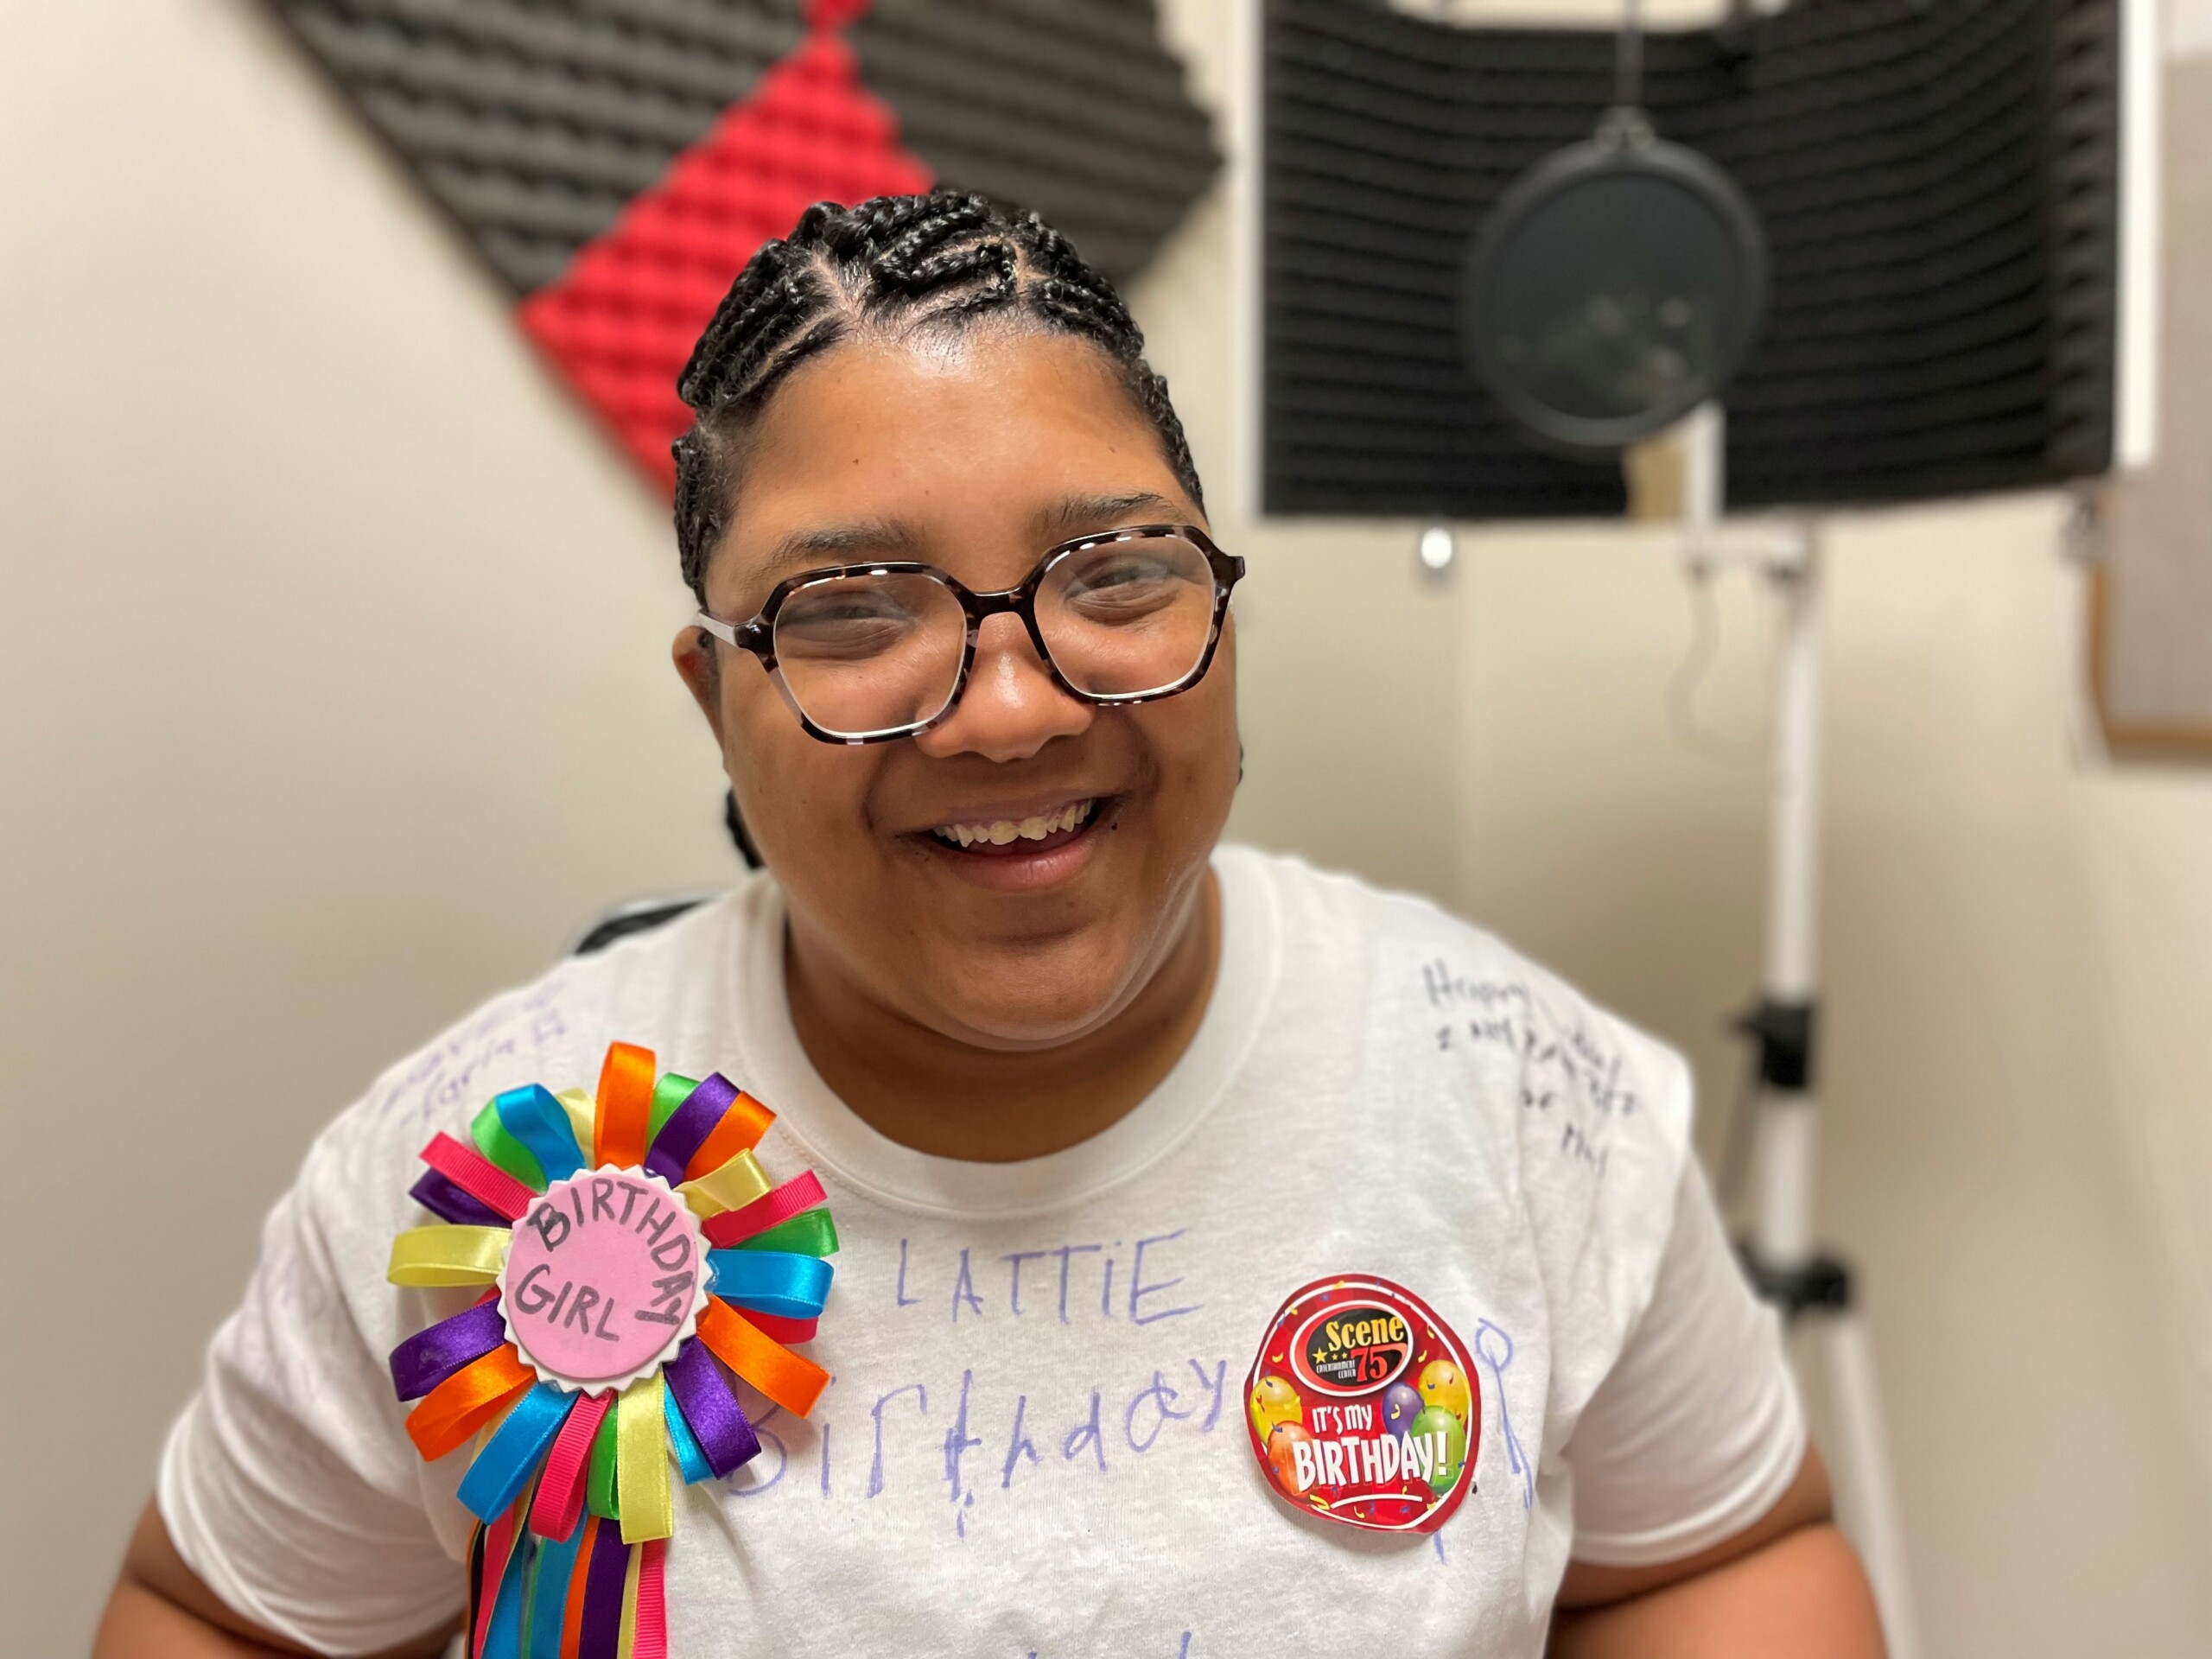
(876, 652)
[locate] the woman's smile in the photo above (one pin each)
(1022, 850)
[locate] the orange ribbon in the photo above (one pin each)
(625, 1107)
(793, 1381)
(572, 1616)
(740, 1130)
(468, 1400)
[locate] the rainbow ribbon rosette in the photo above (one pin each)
(622, 1292)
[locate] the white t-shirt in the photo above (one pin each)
(1035, 1440)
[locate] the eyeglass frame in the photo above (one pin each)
(758, 635)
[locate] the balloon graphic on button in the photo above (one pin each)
(1400, 1405)
(1272, 1401)
(1282, 1457)
(1449, 1436)
(1441, 1384)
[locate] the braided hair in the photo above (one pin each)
(897, 263)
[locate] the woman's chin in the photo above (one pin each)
(1023, 1020)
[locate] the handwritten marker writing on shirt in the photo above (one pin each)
(617, 1235)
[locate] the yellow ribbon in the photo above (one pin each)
(626, 1642)
(429, 1257)
(733, 1186)
(583, 1116)
(641, 1462)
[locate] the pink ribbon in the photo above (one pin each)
(560, 1502)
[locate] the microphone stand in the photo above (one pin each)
(1812, 1289)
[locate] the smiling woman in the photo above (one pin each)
(1106, 1106)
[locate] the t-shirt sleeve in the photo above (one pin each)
(289, 1484)
(1696, 1431)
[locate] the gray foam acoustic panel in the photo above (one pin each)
(616, 162)
(1071, 107)
(532, 124)
(1937, 187)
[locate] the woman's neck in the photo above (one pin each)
(953, 1100)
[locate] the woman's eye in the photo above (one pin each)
(1126, 585)
(859, 625)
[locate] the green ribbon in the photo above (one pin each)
(671, 1092)
(598, 1491)
(493, 1140)
(811, 1234)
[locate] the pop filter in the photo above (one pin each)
(1617, 285)
(1613, 288)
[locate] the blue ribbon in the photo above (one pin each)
(503, 1635)
(772, 1282)
(541, 1124)
(509, 1459)
(689, 1456)
(556, 1565)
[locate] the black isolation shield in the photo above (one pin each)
(1614, 288)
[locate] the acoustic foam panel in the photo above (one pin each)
(616, 162)
(1937, 188)
(1073, 107)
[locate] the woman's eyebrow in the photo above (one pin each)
(835, 544)
(1076, 514)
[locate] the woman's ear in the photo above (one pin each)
(699, 666)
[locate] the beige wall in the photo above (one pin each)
(334, 696)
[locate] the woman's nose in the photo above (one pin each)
(1011, 708)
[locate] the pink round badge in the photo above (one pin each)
(604, 1279)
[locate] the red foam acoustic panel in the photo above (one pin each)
(621, 320)
(617, 161)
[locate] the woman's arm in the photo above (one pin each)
(160, 1609)
(1787, 1583)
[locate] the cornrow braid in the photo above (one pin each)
(942, 259)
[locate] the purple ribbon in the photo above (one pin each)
(688, 1128)
(445, 1201)
(600, 1634)
(717, 1421)
(428, 1358)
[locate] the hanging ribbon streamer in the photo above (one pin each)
(652, 1604)
(561, 1494)
(549, 1599)
(641, 1462)
(571, 1477)
(605, 1576)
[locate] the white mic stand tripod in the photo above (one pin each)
(1780, 1253)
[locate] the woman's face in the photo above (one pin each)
(974, 452)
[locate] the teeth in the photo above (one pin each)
(1001, 832)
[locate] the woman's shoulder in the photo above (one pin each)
(658, 988)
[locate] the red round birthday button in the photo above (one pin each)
(1361, 1406)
